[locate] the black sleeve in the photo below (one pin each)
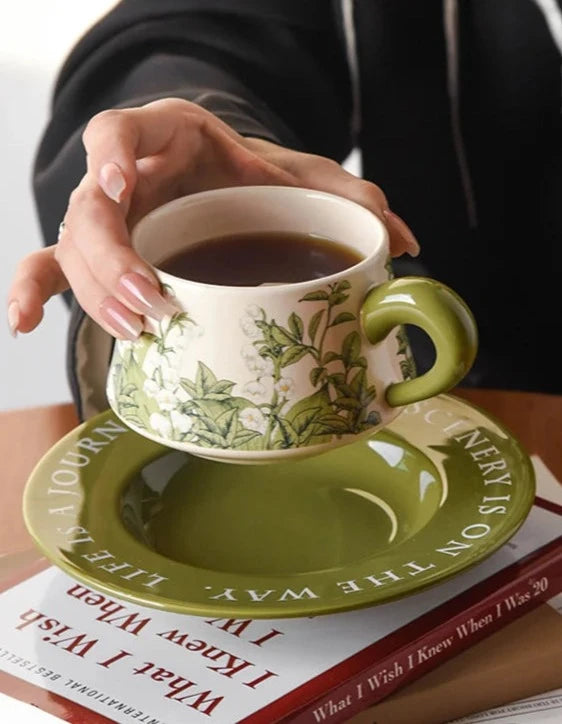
(275, 69)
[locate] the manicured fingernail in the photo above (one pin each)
(123, 322)
(13, 318)
(112, 181)
(144, 297)
(402, 228)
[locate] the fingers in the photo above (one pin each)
(174, 139)
(116, 139)
(224, 160)
(402, 238)
(111, 140)
(139, 158)
(106, 310)
(93, 255)
(337, 180)
(369, 195)
(38, 277)
(110, 281)
(327, 175)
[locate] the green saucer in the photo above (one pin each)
(436, 492)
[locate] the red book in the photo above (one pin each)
(88, 657)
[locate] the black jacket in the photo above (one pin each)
(455, 106)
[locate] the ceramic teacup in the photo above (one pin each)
(269, 373)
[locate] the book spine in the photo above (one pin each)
(427, 652)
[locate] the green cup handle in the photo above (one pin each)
(442, 314)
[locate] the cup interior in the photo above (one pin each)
(190, 219)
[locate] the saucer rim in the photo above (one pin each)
(276, 610)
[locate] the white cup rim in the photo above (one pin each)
(171, 206)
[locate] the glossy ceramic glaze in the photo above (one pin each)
(442, 488)
(257, 374)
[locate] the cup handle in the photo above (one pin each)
(442, 314)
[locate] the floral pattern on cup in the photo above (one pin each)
(407, 362)
(260, 412)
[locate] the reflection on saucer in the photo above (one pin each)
(385, 507)
(440, 489)
(319, 513)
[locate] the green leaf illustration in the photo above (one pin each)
(320, 399)
(212, 438)
(316, 375)
(296, 326)
(180, 318)
(408, 367)
(222, 387)
(402, 339)
(337, 378)
(304, 418)
(157, 375)
(368, 395)
(342, 317)
(204, 379)
(232, 433)
(240, 403)
(336, 298)
(124, 404)
(358, 382)
(264, 351)
(217, 396)
(215, 413)
(347, 403)
(333, 424)
(289, 435)
(243, 437)
(213, 409)
(281, 335)
(226, 422)
(343, 389)
(350, 348)
(293, 354)
(134, 420)
(330, 357)
(314, 324)
(188, 386)
(267, 339)
(134, 377)
(319, 296)
(204, 422)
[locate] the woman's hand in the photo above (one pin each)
(138, 159)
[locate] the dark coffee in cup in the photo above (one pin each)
(252, 259)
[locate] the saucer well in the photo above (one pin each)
(436, 492)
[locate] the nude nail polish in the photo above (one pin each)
(112, 181)
(404, 230)
(121, 320)
(13, 318)
(144, 297)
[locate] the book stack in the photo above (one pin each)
(86, 656)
